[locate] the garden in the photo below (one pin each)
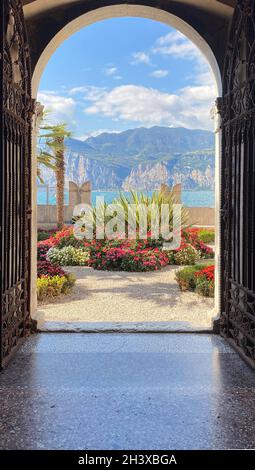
(58, 249)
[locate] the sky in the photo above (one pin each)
(124, 73)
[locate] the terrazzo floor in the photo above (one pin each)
(127, 391)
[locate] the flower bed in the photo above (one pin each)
(65, 237)
(52, 286)
(206, 235)
(198, 278)
(68, 256)
(186, 255)
(191, 236)
(62, 248)
(52, 280)
(205, 280)
(128, 259)
(46, 268)
(44, 234)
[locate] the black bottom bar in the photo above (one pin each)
(112, 459)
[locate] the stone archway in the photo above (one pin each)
(118, 11)
(129, 11)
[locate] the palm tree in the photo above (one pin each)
(59, 150)
(45, 157)
(51, 155)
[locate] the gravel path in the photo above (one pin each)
(105, 296)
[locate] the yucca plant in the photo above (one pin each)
(143, 211)
(144, 207)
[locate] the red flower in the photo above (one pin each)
(45, 268)
(207, 272)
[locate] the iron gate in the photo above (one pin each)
(238, 184)
(238, 181)
(15, 161)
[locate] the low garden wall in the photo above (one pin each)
(46, 218)
(201, 216)
(47, 213)
(197, 216)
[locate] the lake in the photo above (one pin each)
(190, 198)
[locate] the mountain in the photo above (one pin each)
(141, 158)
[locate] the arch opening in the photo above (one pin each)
(138, 11)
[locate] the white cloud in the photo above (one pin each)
(159, 73)
(190, 107)
(176, 45)
(93, 93)
(88, 92)
(141, 58)
(61, 107)
(78, 89)
(204, 75)
(111, 71)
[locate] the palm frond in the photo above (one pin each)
(51, 142)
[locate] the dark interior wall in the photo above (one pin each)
(211, 26)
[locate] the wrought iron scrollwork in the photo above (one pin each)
(238, 180)
(16, 113)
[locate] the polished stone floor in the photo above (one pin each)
(124, 391)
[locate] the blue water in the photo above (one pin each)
(48, 195)
(198, 198)
(189, 198)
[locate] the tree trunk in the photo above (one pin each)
(60, 181)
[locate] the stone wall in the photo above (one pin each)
(201, 216)
(197, 216)
(47, 214)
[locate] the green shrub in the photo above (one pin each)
(70, 281)
(186, 255)
(186, 277)
(69, 241)
(45, 234)
(204, 287)
(68, 256)
(206, 236)
(199, 278)
(49, 287)
(205, 280)
(41, 236)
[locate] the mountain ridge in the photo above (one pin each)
(141, 158)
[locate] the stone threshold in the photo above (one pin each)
(130, 327)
